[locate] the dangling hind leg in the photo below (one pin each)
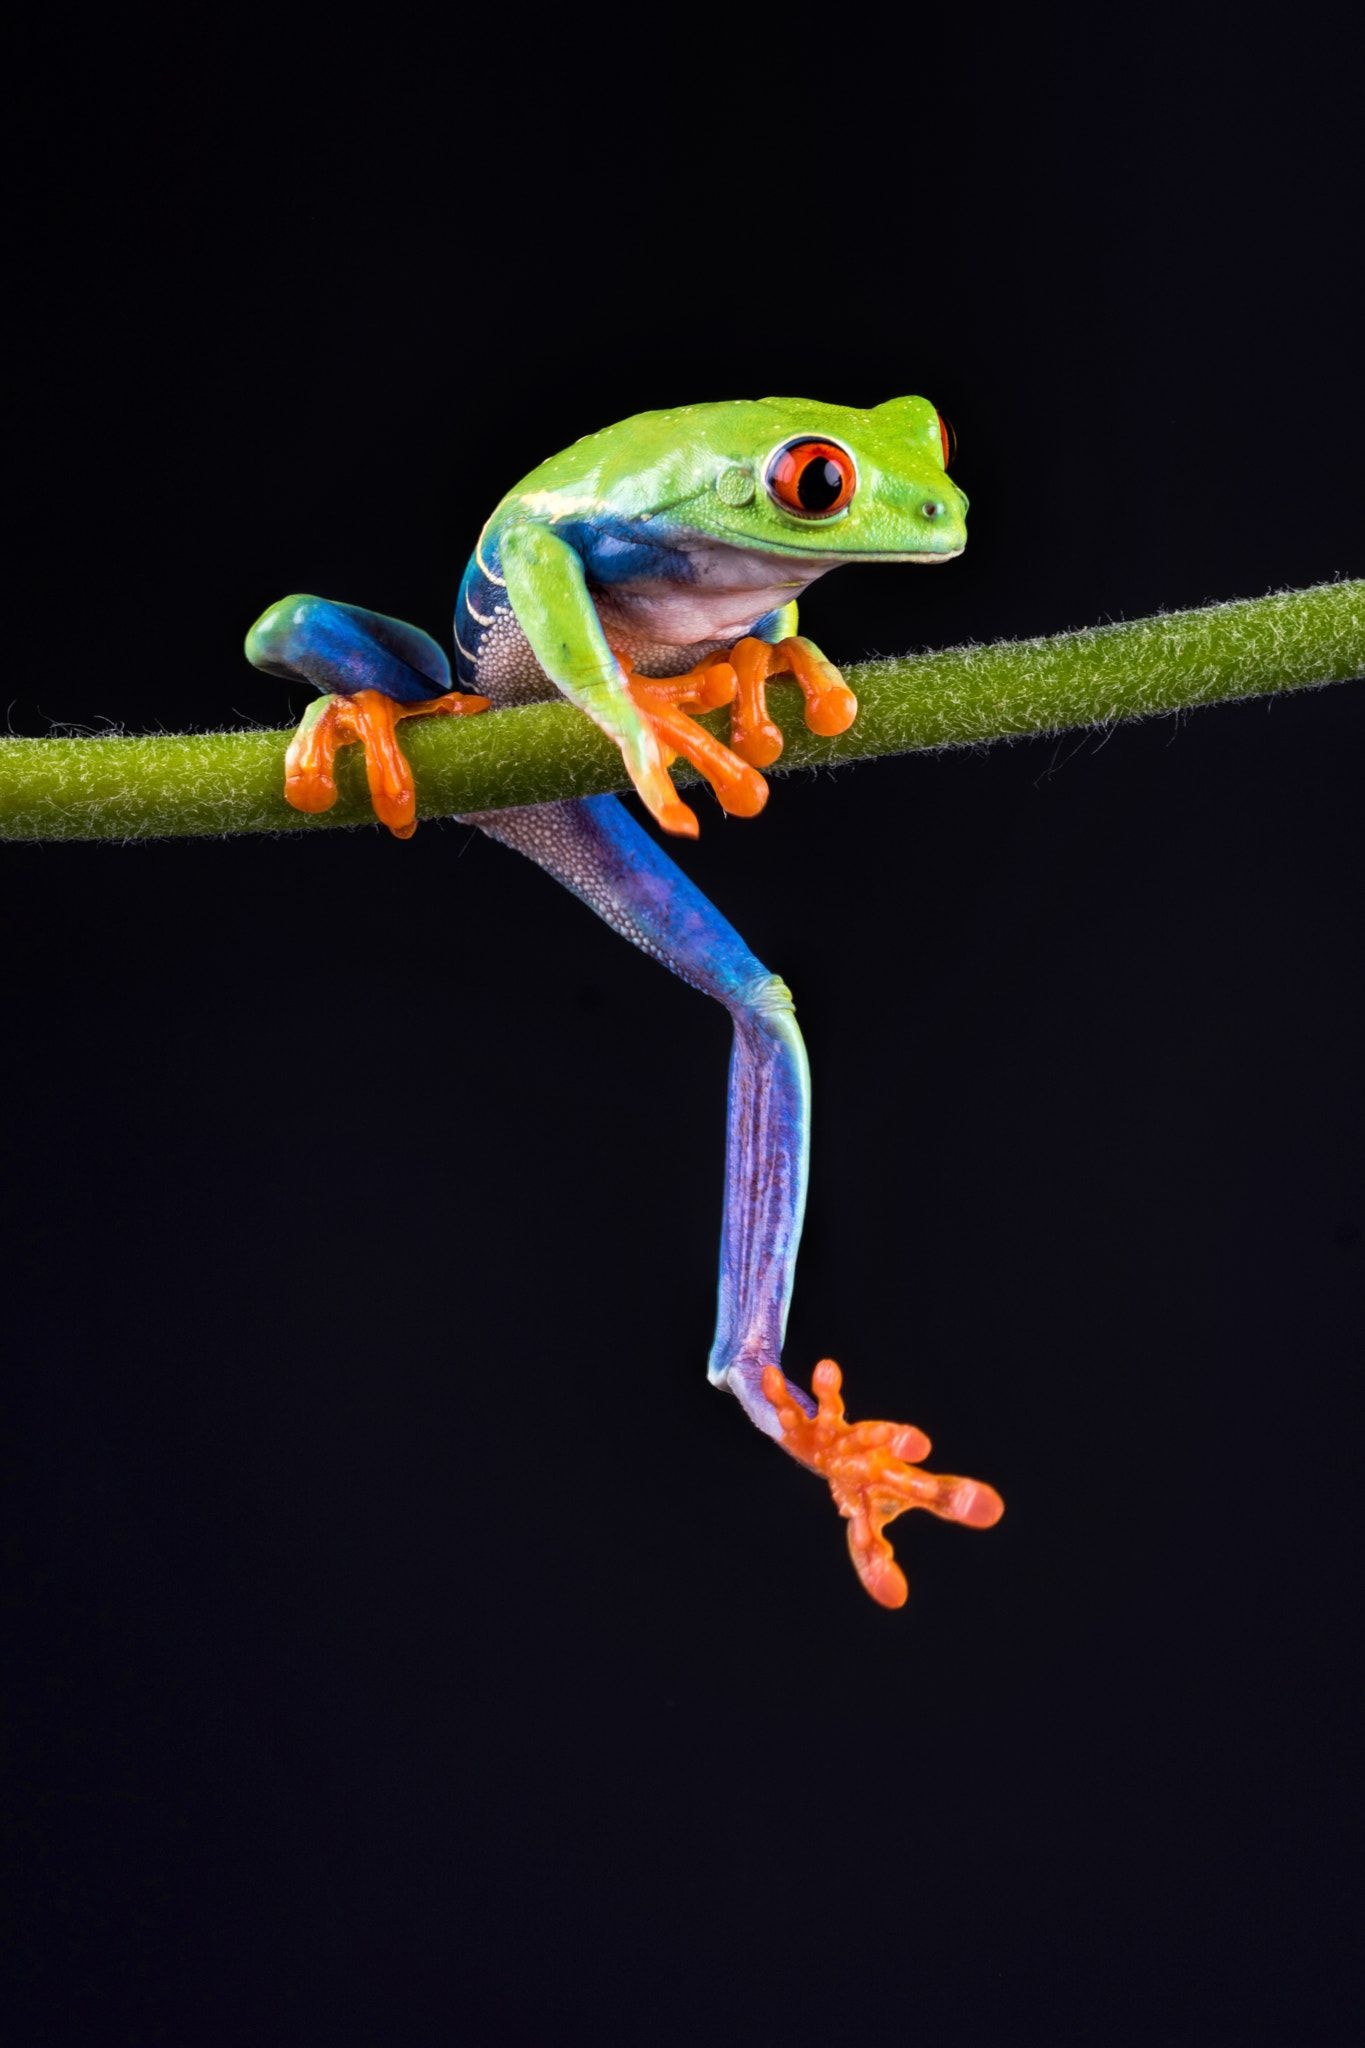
(596, 849)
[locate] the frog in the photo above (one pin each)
(651, 573)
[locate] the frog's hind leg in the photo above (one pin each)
(374, 672)
(596, 849)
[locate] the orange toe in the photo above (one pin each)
(679, 818)
(831, 706)
(833, 711)
(760, 745)
(309, 778)
(704, 688)
(312, 789)
(754, 734)
(393, 793)
(454, 704)
(717, 687)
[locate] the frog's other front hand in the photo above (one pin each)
(831, 706)
(874, 1476)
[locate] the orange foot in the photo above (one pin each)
(667, 702)
(871, 1473)
(371, 718)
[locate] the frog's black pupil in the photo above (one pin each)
(819, 484)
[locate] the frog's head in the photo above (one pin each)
(792, 477)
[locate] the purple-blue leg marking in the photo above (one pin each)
(343, 648)
(596, 849)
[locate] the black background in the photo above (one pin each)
(410, 1646)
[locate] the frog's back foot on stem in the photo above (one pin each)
(372, 671)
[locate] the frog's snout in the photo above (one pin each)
(944, 504)
(941, 516)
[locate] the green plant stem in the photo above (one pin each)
(174, 785)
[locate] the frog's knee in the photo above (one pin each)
(344, 648)
(284, 631)
(764, 1005)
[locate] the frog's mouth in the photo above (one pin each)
(831, 558)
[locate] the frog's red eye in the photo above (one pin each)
(947, 440)
(814, 478)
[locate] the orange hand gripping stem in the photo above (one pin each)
(666, 702)
(831, 706)
(871, 1473)
(739, 680)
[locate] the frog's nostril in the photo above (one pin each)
(931, 509)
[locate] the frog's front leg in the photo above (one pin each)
(375, 671)
(648, 719)
(596, 848)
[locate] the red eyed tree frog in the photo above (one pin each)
(651, 571)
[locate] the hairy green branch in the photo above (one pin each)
(173, 785)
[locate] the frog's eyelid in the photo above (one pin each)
(793, 440)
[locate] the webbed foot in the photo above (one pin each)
(873, 1474)
(369, 718)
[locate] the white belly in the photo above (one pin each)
(728, 590)
(663, 628)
